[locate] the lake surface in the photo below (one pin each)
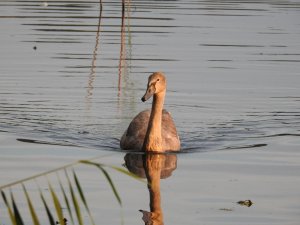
(73, 74)
(232, 69)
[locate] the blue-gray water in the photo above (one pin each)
(70, 74)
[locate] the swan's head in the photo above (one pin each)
(156, 84)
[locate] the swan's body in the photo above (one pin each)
(152, 130)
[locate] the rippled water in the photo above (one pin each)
(71, 73)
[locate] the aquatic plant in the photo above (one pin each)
(74, 202)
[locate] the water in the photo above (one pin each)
(72, 74)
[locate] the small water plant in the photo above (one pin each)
(70, 194)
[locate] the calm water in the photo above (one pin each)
(70, 73)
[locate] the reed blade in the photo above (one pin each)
(18, 217)
(82, 197)
(57, 205)
(79, 189)
(49, 214)
(75, 201)
(101, 167)
(10, 212)
(66, 201)
(111, 184)
(34, 217)
(126, 172)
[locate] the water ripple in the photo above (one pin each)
(72, 74)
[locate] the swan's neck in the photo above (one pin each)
(153, 138)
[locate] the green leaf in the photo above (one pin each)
(111, 184)
(57, 205)
(126, 172)
(100, 166)
(32, 211)
(10, 212)
(82, 196)
(79, 189)
(16, 211)
(50, 217)
(89, 163)
(75, 202)
(66, 201)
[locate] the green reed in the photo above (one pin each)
(74, 203)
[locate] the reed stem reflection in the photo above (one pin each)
(122, 60)
(153, 167)
(92, 76)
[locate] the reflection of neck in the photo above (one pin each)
(153, 170)
(153, 138)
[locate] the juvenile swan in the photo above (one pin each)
(152, 130)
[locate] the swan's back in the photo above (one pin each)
(134, 136)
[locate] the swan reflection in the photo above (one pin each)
(153, 167)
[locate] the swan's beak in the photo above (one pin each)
(150, 91)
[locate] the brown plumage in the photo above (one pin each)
(152, 130)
